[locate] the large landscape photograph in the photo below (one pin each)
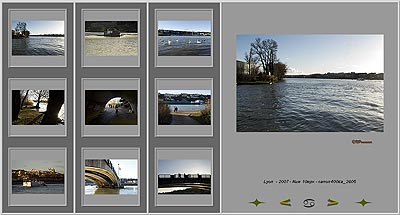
(310, 83)
(37, 38)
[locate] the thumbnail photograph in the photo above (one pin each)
(184, 107)
(184, 38)
(111, 38)
(111, 107)
(37, 107)
(310, 83)
(184, 177)
(37, 37)
(37, 176)
(111, 176)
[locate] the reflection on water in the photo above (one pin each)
(48, 189)
(184, 45)
(38, 45)
(311, 105)
(171, 189)
(127, 190)
(97, 45)
(187, 107)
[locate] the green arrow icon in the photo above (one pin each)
(332, 202)
(285, 202)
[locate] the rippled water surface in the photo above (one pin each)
(97, 45)
(311, 105)
(36, 45)
(48, 189)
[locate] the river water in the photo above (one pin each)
(98, 45)
(127, 190)
(48, 189)
(38, 45)
(311, 105)
(184, 46)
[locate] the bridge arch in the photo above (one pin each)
(102, 173)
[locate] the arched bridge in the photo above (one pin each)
(102, 173)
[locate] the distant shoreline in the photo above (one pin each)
(46, 35)
(351, 76)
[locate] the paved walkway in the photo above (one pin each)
(183, 120)
(111, 117)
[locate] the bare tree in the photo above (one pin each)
(38, 95)
(266, 51)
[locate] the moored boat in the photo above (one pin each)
(33, 183)
(112, 32)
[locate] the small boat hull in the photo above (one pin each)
(32, 183)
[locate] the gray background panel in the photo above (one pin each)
(184, 72)
(37, 199)
(110, 73)
(39, 72)
(310, 155)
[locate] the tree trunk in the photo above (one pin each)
(23, 100)
(55, 101)
(15, 104)
(38, 100)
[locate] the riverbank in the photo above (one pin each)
(254, 83)
(29, 116)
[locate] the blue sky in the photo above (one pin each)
(184, 166)
(203, 92)
(185, 25)
(38, 164)
(322, 53)
(129, 167)
(42, 26)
